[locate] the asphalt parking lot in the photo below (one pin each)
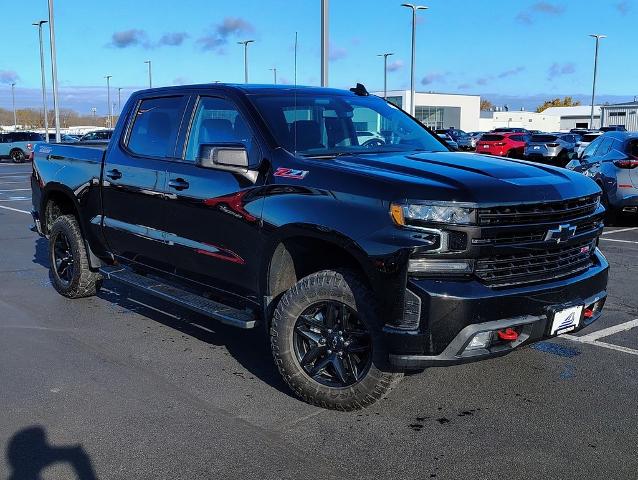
(124, 386)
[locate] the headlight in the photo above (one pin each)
(425, 266)
(415, 213)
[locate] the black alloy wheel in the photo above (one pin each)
(17, 156)
(332, 345)
(63, 258)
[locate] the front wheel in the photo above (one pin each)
(17, 156)
(327, 343)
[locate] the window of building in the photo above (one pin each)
(398, 101)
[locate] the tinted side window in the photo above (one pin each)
(217, 121)
(155, 126)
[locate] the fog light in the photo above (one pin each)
(480, 340)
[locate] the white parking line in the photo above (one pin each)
(592, 338)
(609, 232)
(605, 332)
(15, 199)
(15, 209)
(2, 182)
(616, 240)
(16, 190)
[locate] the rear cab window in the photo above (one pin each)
(155, 126)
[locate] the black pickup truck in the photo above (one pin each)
(258, 206)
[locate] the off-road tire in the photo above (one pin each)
(344, 287)
(84, 281)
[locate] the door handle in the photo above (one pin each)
(178, 184)
(114, 174)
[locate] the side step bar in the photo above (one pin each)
(196, 303)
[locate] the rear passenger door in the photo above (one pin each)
(134, 178)
(213, 215)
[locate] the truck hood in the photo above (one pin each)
(470, 177)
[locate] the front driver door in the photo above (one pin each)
(213, 215)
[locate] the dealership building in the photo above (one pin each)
(575, 117)
(519, 119)
(440, 110)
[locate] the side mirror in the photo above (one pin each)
(229, 157)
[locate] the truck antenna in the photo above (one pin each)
(295, 95)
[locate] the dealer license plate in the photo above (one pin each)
(566, 320)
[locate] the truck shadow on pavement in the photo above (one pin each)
(29, 453)
(249, 347)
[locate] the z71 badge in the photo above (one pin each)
(290, 173)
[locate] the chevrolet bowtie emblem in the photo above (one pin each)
(561, 234)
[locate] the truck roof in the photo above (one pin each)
(252, 88)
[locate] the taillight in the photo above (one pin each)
(628, 163)
(499, 144)
(552, 144)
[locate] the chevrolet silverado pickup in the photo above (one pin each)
(259, 207)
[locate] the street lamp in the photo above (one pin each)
(150, 77)
(39, 24)
(15, 118)
(593, 89)
(325, 43)
(108, 98)
(385, 72)
(274, 71)
(119, 100)
(54, 73)
(412, 92)
(245, 44)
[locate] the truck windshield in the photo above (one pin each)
(317, 125)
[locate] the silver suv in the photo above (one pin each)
(612, 161)
(551, 148)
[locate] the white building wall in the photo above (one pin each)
(469, 106)
(518, 119)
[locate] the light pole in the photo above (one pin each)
(385, 72)
(274, 71)
(108, 98)
(150, 76)
(593, 89)
(39, 24)
(245, 44)
(15, 117)
(325, 44)
(412, 92)
(54, 73)
(119, 100)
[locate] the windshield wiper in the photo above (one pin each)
(327, 155)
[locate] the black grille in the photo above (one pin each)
(521, 235)
(535, 265)
(539, 212)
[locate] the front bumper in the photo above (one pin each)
(454, 310)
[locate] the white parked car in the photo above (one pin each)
(370, 139)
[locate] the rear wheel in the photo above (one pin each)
(17, 155)
(69, 263)
(326, 341)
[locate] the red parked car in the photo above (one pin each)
(504, 144)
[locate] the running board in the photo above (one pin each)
(222, 313)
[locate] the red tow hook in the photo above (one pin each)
(588, 313)
(507, 335)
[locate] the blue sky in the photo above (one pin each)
(501, 49)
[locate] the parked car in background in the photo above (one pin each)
(97, 136)
(18, 145)
(611, 160)
(63, 137)
(507, 144)
(510, 130)
(370, 139)
(585, 140)
(448, 140)
(474, 138)
(461, 138)
(551, 148)
(613, 128)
